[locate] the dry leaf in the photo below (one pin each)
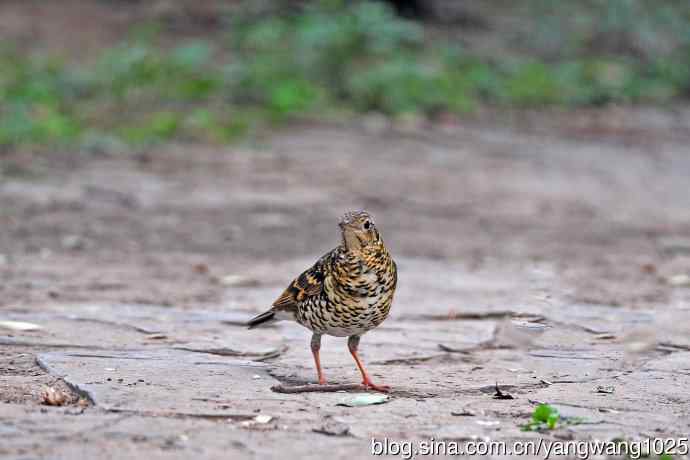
(52, 396)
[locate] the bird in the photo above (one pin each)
(346, 293)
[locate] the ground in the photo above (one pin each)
(540, 252)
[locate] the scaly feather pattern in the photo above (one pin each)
(346, 293)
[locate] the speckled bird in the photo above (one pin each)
(346, 293)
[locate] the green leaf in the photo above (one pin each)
(552, 420)
(542, 413)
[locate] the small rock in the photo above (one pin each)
(263, 418)
(333, 428)
(681, 280)
(258, 420)
(239, 281)
(20, 326)
(73, 242)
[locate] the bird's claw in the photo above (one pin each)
(381, 388)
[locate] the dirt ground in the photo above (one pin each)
(547, 253)
(549, 249)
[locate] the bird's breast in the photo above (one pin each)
(356, 297)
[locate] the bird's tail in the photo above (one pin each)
(264, 318)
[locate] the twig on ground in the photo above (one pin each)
(310, 388)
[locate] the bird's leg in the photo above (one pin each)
(315, 347)
(352, 344)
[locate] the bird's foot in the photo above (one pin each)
(382, 388)
(322, 381)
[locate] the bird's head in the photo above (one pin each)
(359, 230)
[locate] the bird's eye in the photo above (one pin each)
(367, 225)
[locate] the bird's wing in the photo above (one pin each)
(310, 283)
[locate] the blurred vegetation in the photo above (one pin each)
(330, 57)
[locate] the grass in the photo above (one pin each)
(327, 58)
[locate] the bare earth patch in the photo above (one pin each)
(545, 262)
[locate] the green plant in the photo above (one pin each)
(544, 417)
(547, 417)
(290, 64)
(342, 57)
